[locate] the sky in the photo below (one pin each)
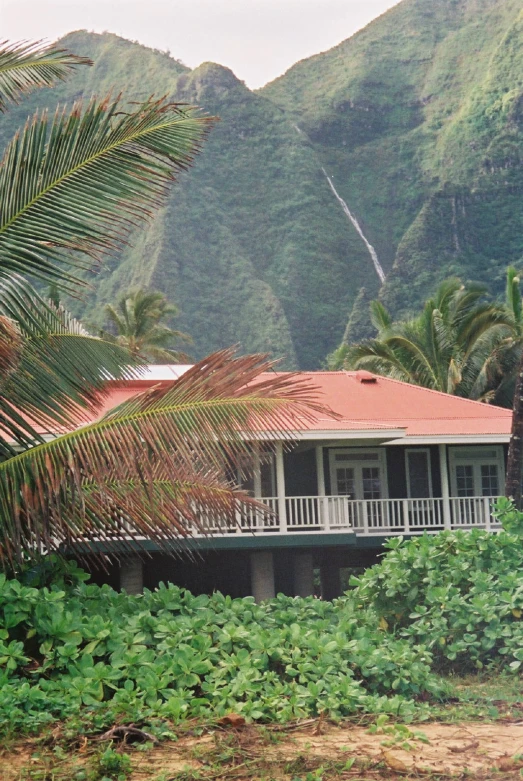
(258, 39)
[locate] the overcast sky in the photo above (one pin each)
(258, 39)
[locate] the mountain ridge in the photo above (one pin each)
(417, 120)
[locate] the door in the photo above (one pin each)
(474, 473)
(360, 475)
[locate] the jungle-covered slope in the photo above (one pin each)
(420, 117)
(417, 119)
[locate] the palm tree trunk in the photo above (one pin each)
(515, 450)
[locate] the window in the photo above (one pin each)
(419, 480)
(345, 481)
(358, 474)
(371, 481)
(465, 480)
(489, 480)
(478, 471)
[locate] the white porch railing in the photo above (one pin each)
(374, 517)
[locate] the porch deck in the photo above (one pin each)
(375, 517)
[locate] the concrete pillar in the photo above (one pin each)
(262, 575)
(131, 575)
(303, 575)
(330, 581)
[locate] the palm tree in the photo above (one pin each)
(71, 188)
(137, 321)
(453, 346)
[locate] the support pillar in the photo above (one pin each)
(330, 581)
(262, 576)
(303, 575)
(445, 490)
(280, 488)
(131, 575)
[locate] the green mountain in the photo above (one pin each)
(396, 153)
(420, 117)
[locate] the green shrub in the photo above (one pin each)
(459, 594)
(91, 656)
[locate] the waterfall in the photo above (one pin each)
(372, 252)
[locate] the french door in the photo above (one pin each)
(361, 476)
(475, 472)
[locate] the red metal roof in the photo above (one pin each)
(366, 402)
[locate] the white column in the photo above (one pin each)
(303, 575)
(445, 490)
(131, 575)
(257, 471)
(262, 575)
(320, 472)
(280, 488)
(320, 477)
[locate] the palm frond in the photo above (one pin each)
(108, 473)
(71, 189)
(380, 317)
(513, 295)
(25, 66)
(61, 370)
(10, 348)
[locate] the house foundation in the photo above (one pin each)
(131, 575)
(303, 574)
(262, 576)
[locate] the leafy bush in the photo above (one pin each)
(91, 656)
(459, 594)
(172, 655)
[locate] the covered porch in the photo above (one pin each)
(369, 489)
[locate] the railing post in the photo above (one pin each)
(365, 517)
(325, 513)
(486, 509)
(280, 487)
(406, 524)
(445, 492)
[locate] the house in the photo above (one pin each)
(396, 459)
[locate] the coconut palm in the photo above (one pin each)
(137, 323)
(71, 189)
(454, 345)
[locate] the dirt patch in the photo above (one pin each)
(443, 748)
(319, 750)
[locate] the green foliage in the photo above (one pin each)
(459, 595)
(461, 342)
(418, 119)
(450, 602)
(171, 655)
(138, 324)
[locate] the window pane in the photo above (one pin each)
(419, 480)
(465, 479)
(345, 481)
(489, 480)
(371, 482)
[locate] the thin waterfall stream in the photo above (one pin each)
(372, 252)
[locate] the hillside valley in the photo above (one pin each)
(405, 141)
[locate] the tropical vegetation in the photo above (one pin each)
(137, 323)
(450, 603)
(462, 343)
(254, 247)
(71, 190)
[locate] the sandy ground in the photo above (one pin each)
(481, 751)
(451, 750)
